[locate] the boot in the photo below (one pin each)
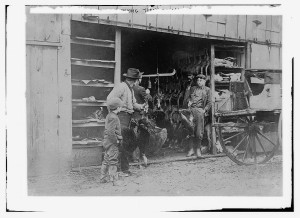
(190, 153)
(198, 152)
(103, 174)
(145, 159)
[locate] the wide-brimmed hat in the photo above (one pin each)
(114, 103)
(201, 76)
(133, 73)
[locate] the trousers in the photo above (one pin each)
(110, 163)
(128, 142)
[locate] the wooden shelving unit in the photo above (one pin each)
(239, 51)
(95, 57)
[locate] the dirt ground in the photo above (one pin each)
(213, 176)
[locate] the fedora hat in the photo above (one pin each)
(133, 73)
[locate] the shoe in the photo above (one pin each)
(198, 152)
(190, 153)
(145, 160)
(104, 180)
(124, 174)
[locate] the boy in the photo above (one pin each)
(112, 139)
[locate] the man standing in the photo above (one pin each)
(125, 92)
(200, 104)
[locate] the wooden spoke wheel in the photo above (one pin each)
(249, 140)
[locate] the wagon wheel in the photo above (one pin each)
(247, 140)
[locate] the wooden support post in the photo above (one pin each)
(212, 91)
(248, 56)
(243, 64)
(117, 77)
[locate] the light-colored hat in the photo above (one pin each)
(114, 103)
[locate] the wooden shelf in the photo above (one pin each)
(93, 63)
(92, 42)
(78, 102)
(89, 124)
(228, 69)
(111, 85)
(78, 146)
(87, 142)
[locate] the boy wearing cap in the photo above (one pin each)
(200, 105)
(112, 138)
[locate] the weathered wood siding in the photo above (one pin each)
(265, 57)
(232, 26)
(259, 30)
(48, 93)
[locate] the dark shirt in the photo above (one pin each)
(200, 97)
(112, 132)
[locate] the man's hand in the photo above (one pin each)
(189, 103)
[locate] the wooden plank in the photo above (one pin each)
(276, 23)
(231, 26)
(275, 37)
(189, 23)
(76, 17)
(30, 150)
(200, 24)
(90, 14)
(213, 18)
(261, 35)
(47, 27)
(264, 57)
(66, 24)
(263, 20)
(176, 19)
(250, 27)
(111, 17)
(50, 100)
(269, 22)
(275, 58)
(221, 25)
(268, 34)
(30, 25)
(117, 75)
(212, 28)
(93, 63)
(138, 17)
(164, 20)
(221, 19)
(125, 18)
(93, 42)
(151, 19)
(36, 109)
(241, 26)
(65, 101)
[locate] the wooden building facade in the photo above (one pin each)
(50, 64)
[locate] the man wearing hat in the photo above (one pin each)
(125, 92)
(200, 105)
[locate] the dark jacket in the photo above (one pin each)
(140, 94)
(112, 131)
